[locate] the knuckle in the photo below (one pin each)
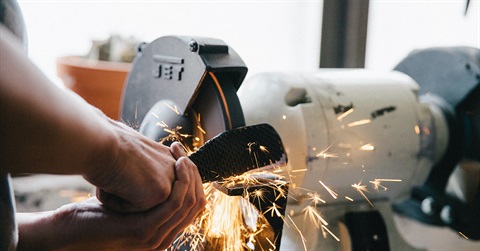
(185, 161)
(175, 204)
(189, 201)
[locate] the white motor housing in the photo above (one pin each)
(346, 127)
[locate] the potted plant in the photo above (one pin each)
(99, 77)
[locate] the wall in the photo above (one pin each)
(396, 27)
(279, 35)
(269, 35)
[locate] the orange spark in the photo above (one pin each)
(274, 210)
(250, 145)
(169, 131)
(258, 194)
(462, 234)
(361, 189)
(263, 149)
(324, 154)
(299, 170)
(417, 129)
(174, 108)
(299, 232)
(175, 135)
(271, 243)
(201, 129)
(343, 115)
(314, 216)
(281, 192)
(332, 193)
(315, 197)
(367, 147)
(250, 151)
(330, 232)
(377, 183)
(161, 124)
(359, 122)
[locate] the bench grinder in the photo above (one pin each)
(358, 141)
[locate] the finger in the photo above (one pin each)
(177, 222)
(200, 203)
(162, 214)
(177, 196)
(177, 150)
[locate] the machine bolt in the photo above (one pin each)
(447, 214)
(428, 206)
(193, 46)
(141, 47)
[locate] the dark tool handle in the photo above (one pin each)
(238, 151)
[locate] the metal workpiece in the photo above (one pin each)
(234, 152)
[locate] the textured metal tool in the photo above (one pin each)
(240, 150)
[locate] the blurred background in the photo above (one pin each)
(281, 35)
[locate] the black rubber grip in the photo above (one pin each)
(238, 151)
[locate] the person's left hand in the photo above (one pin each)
(89, 225)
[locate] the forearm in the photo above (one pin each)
(43, 128)
(48, 130)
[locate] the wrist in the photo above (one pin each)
(103, 155)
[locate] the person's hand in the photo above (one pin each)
(196, 193)
(134, 173)
(88, 225)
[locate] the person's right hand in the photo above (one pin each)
(134, 173)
